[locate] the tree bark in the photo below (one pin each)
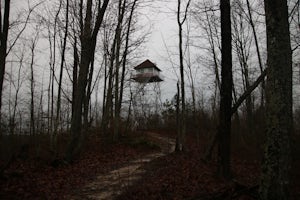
(276, 165)
(224, 128)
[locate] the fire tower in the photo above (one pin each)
(146, 99)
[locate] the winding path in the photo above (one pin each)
(112, 184)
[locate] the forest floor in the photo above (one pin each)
(35, 174)
(187, 176)
(110, 185)
(142, 166)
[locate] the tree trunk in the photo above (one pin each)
(234, 108)
(180, 22)
(109, 97)
(76, 140)
(117, 69)
(125, 61)
(250, 89)
(178, 138)
(276, 165)
(104, 91)
(224, 128)
(4, 26)
(75, 73)
(18, 87)
(58, 103)
(87, 98)
(129, 113)
(32, 85)
(88, 39)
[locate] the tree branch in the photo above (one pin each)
(23, 28)
(248, 92)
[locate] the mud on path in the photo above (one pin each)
(113, 183)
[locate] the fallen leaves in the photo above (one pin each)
(175, 176)
(32, 179)
(185, 176)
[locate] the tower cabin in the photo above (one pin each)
(147, 72)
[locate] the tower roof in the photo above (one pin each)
(147, 64)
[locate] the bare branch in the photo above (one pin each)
(248, 91)
(24, 27)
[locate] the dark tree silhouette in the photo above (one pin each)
(224, 127)
(4, 27)
(88, 39)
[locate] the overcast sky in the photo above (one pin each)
(162, 46)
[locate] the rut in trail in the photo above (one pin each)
(113, 183)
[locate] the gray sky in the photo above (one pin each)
(162, 47)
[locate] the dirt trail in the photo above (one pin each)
(112, 184)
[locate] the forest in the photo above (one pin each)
(217, 116)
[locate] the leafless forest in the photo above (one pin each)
(217, 116)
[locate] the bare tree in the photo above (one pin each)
(88, 39)
(17, 87)
(294, 20)
(258, 52)
(62, 62)
(121, 12)
(32, 83)
(242, 43)
(125, 53)
(108, 108)
(50, 23)
(224, 128)
(210, 24)
(191, 74)
(75, 72)
(180, 22)
(5, 48)
(4, 27)
(275, 179)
